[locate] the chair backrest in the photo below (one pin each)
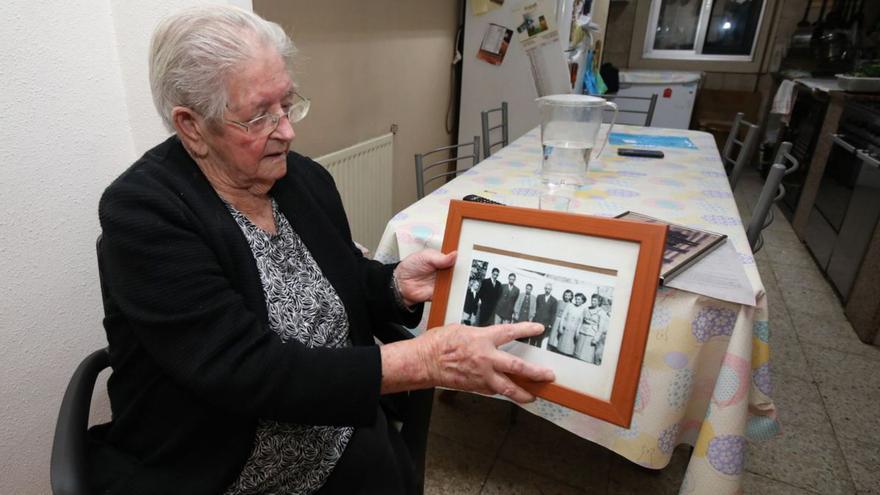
(423, 176)
(648, 113)
(488, 144)
(773, 191)
(68, 468)
(737, 153)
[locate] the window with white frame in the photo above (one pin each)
(703, 29)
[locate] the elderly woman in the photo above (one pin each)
(240, 316)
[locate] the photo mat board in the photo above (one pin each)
(602, 274)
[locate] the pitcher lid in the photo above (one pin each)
(574, 100)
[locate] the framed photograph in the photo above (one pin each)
(590, 281)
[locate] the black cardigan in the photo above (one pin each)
(194, 362)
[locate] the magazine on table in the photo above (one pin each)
(684, 245)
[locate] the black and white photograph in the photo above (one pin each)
(572, 302)
(590, 282)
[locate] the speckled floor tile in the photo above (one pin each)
(628, 478)
(851, 391)
(798, 402)
(453, 468)
(836, 333)
(799, 276)
(744, 210)
(508, 479)
(863, 460)
(805, 456)
(789, 254)
(470, 419)
(779, 222)
(537, 444)
(775, 237)
(753, 484)
(775, 302)
(819, 302)
(768, 278)
(786, 355)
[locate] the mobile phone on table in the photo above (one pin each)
(640, 153)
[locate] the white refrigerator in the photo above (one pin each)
(676, 93)
(485, 86)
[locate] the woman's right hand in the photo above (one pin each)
(467, 358)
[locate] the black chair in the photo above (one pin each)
(68, 470)
(69, 463)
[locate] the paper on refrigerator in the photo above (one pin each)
(537, 31)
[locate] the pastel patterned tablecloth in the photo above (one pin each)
(705, 380)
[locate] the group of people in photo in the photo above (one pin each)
(572, 326)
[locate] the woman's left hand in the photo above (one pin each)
(416, 274)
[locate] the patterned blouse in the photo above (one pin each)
(303, 306)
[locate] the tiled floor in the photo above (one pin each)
(826, 387)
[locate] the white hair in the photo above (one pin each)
(193, 52)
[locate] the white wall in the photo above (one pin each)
(76, 112)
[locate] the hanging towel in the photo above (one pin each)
(784, 99)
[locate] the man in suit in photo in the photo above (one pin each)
(490, 290)
(506, 301)
(471, 304)
(545, 314)
(524, 309)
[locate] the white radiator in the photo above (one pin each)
(363, 176)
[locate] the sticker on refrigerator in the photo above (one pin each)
(496, 40)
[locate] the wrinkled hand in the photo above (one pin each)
(416, 274)
(467, 358)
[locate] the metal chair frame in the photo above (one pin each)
(773, 191)
(422, 168)
(488, 144)
(649, 114)
(746, 148)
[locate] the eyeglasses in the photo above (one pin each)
(267, 123)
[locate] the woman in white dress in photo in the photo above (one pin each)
(572, 320)
(567, 296)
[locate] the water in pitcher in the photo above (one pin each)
(569, 131)
(565, 162)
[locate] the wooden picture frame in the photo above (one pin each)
(603, 274)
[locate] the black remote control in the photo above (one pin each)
(479, 199)
(640, 153)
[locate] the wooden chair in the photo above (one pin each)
(773, 191)
(422, 168)
(737, 153)
(488, 144)
(649, 113)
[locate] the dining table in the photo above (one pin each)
(705, 379)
